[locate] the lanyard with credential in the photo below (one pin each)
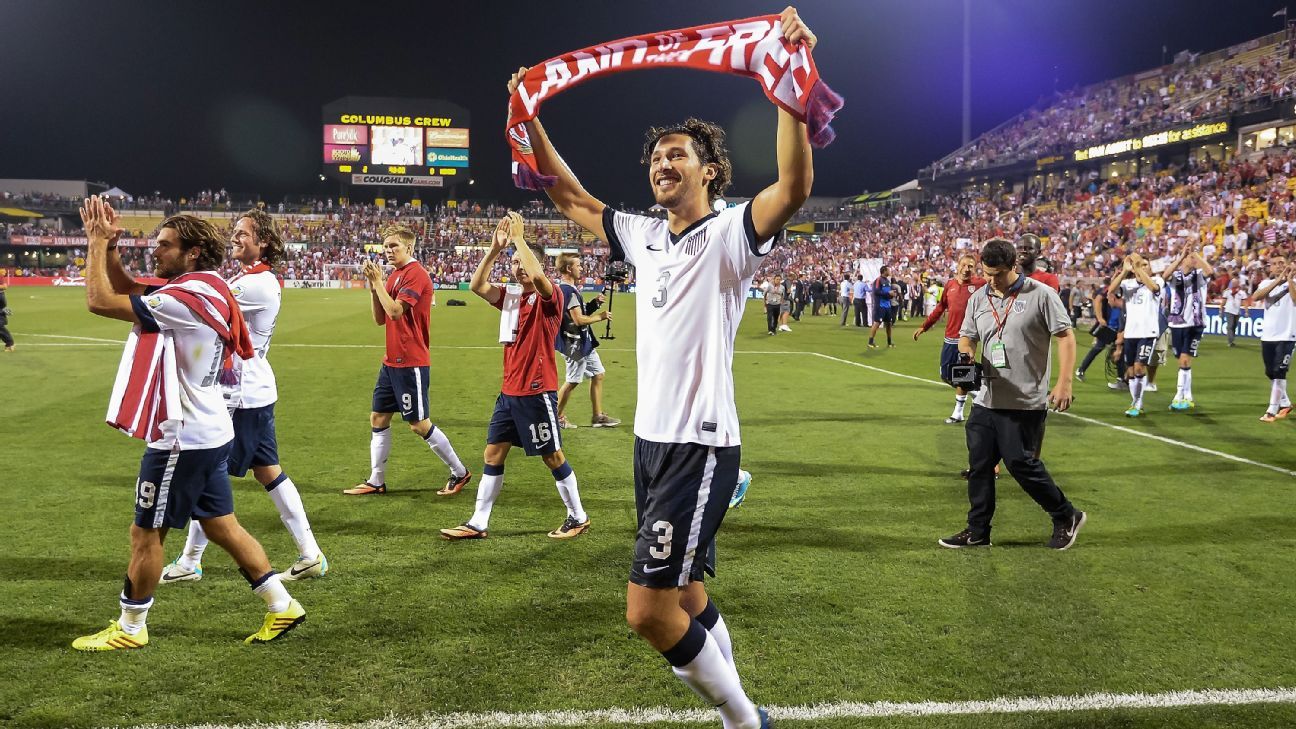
(998, 353)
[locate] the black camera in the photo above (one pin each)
(618, 272)
(966, 375)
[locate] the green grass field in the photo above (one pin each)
(830, 577)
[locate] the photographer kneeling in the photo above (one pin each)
(1013, 318)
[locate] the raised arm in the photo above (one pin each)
(384, 306)
(481, 284)
(774, 206)
(102, 298)
(526, 259)
(571, 199)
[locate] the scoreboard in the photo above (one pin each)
(396, 142)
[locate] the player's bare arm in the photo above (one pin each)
(98, 218)
(121, 280)
(384, 306)
(481, 284)
(526, 258)
(774, 206)
(571, 199)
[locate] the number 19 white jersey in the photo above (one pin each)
(690, 293)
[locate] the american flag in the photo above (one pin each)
(1270, 235)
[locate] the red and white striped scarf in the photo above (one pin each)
(753, 47)
(146, 393)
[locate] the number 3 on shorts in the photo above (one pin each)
(145, 494)
(665, 531)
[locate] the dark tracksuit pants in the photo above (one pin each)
(861, 312)
(1013, 436)
(772, 316)
(5, 336)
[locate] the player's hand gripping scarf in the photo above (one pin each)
(754, 48)
(146, 394)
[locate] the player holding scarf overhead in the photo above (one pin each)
(694, 270)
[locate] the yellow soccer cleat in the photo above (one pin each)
(111, 638)
(276, 624)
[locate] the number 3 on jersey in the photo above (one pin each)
(663, 281)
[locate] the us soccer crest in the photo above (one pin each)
(1019, 307)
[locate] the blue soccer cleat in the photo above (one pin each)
(740, 492)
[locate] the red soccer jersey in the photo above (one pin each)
(530, 361)
(407, 337)
(954, 298)
(1048, 279)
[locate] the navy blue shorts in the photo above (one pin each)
(254, 441)
(402, 390)
(530, 421)
(1139, 350)
(949, 358)
(682, 493)
(1184, 340)
(1277, 358)
(885, 316)
(176, 485)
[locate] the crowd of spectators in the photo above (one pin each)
(1181, 94)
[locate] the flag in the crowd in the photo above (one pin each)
(1282, 12)
(1270, 234)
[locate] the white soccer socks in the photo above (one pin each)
(565, 480)
(697, 661)
(195, 545)
(440, 445)
(1278, 396)
(1137, 385)
(134, 613)
(960, 401)
(283, 492)
(270, 589)
(715, 625)
(488, 489)
(1185, 384)
(379, 450)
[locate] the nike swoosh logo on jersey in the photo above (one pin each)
(651, 248)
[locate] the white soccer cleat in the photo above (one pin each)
(306, 568)
(175, 573)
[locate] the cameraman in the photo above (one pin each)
(577, 343)
(1013, 318)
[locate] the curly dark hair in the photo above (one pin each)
(267, 233)
(195, 231)
(708, 144)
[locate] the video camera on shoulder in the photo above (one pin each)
(966, 374)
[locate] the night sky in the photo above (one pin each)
(181, 96)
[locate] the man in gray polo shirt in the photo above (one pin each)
(1013, 319)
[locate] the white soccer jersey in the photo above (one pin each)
(1142, 308)
(205, 422)
(258, 296)
(1279, 315)
(690, 297)
(1187, 299)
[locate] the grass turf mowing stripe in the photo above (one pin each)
(1092, 421)
(817, 712)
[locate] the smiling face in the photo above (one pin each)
(1027, 251)
(676, 173)
(966, 267)
(244, 244)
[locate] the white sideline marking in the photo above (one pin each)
(1092, 421)
(836, 710)
(80, 339)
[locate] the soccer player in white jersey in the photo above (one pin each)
(1189, 276)
(251, 397)
(1141, 296)
(694, 269)
(1277, 294)
(167, 394)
